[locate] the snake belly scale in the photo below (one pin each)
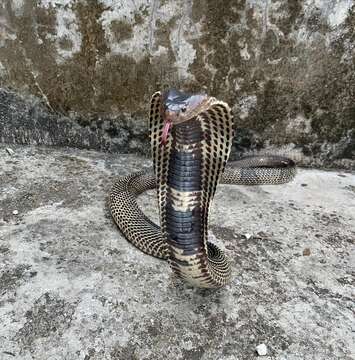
(191, 138)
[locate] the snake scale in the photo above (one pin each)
(191, 138)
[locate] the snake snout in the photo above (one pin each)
(171, 115)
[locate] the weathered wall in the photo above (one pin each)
(286, 68)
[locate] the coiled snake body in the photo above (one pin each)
(191, 137)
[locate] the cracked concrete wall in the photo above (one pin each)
(286, 68)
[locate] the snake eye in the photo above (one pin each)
(183, 109)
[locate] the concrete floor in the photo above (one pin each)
(71, 287)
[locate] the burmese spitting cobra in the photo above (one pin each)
(191, 137)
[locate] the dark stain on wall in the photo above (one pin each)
(121, 30)
(293, 11)
(29, 58)
(225, 55)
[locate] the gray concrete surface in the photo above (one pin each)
(285, 67)
(71, 287)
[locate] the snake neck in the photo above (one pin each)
(185, 218)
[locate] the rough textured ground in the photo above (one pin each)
(72, 288)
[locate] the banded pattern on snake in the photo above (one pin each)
(191, 138)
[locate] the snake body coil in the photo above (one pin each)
(191, 137)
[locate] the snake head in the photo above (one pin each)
(177, 107)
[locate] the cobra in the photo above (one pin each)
(191, 138)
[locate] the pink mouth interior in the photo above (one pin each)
(166, 129)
